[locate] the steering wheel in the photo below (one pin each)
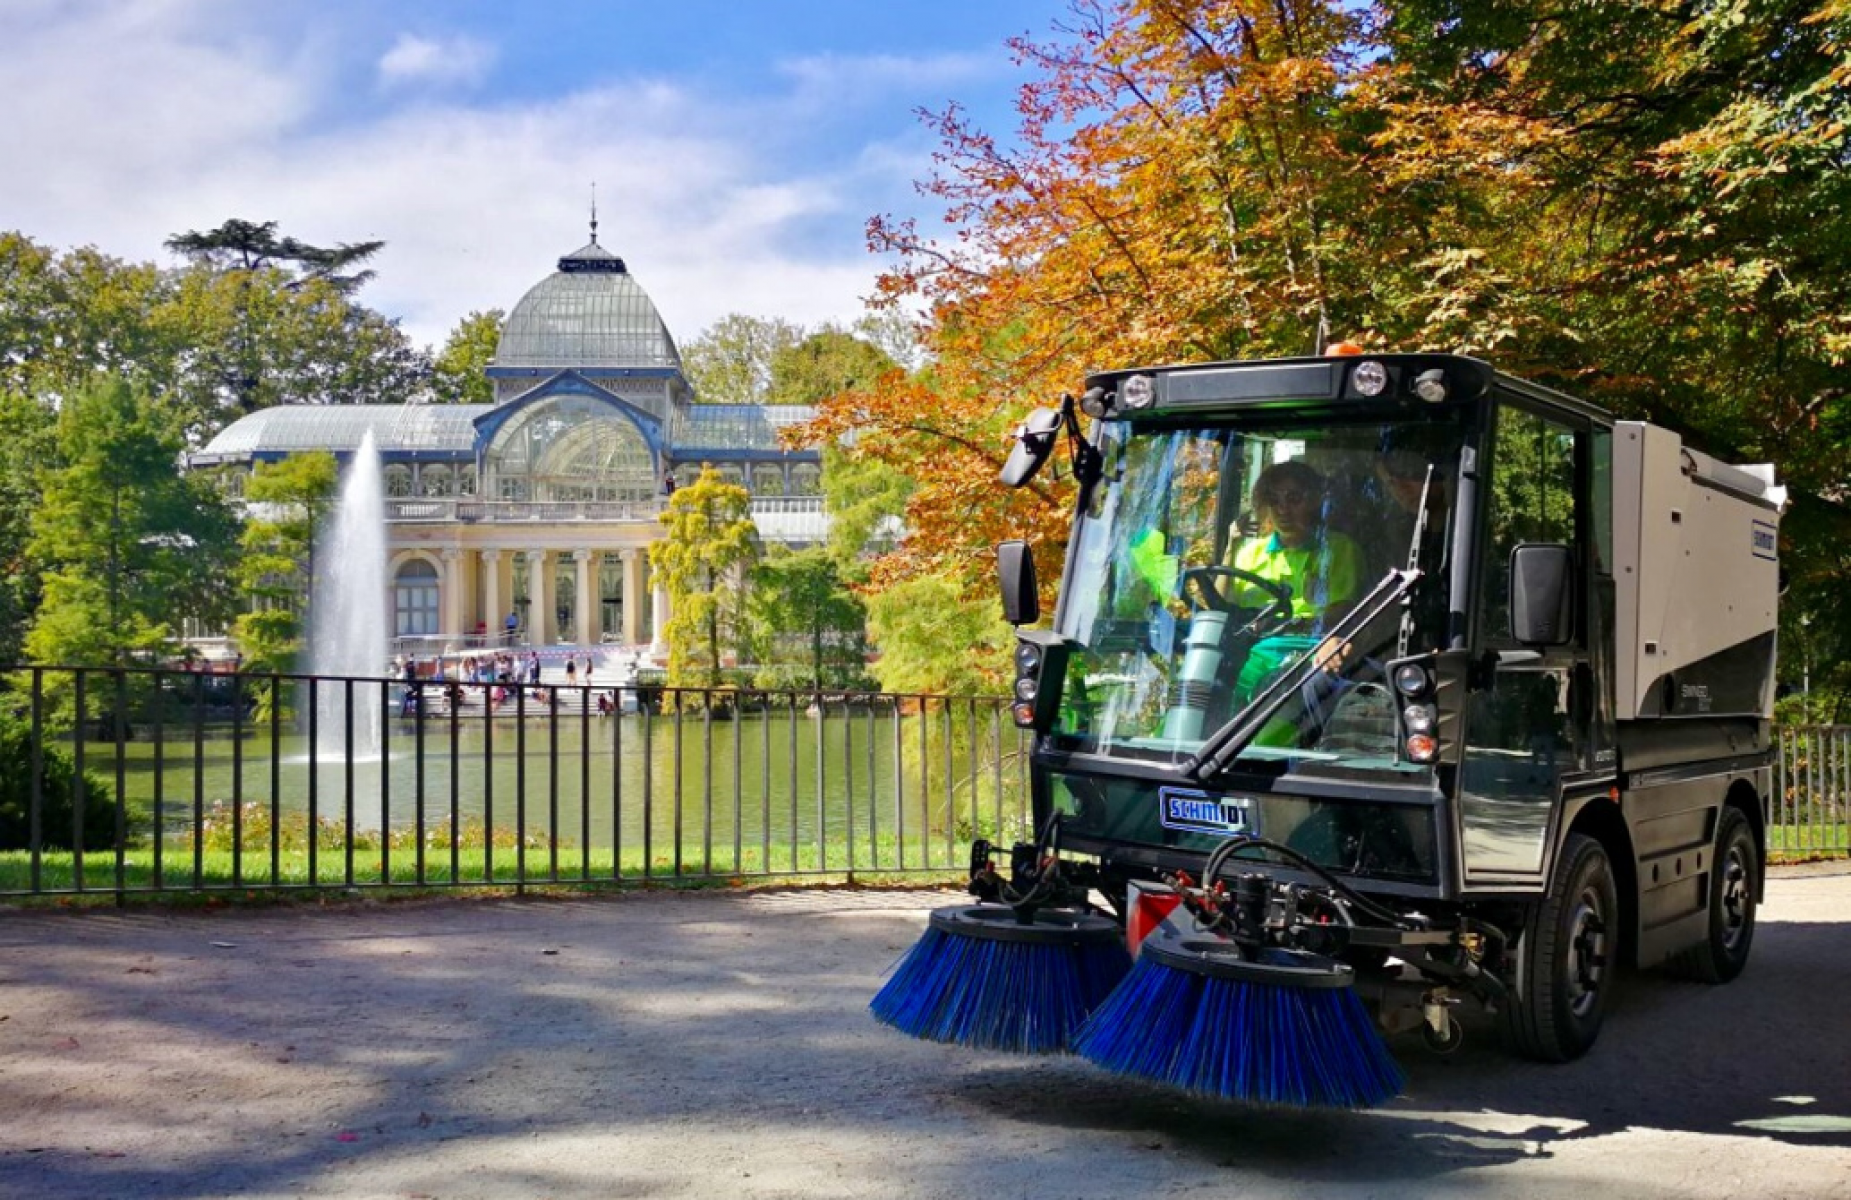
(1206, 596)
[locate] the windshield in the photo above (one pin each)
(1211, 559)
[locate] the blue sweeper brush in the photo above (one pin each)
(1002, 978)
(1260, 1025)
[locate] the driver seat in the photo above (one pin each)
(1361, 722)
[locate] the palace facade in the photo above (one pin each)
(543, 504)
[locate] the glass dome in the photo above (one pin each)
(589, 313)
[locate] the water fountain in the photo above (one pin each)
(347, 626)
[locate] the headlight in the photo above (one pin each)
(1422, 748)
(1093, 404)
(1418, 718)
(1411, 679)
(1137, 391)
(1027, 658)
(1369, 379)
(1026, 688)
(1431, 385)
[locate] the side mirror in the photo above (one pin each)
(1015, 570)
(1542, 594)
(1034, 445)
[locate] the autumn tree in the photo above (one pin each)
(1644, 204)
(1649, 206)
(702, 561)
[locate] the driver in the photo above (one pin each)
(1323, 568)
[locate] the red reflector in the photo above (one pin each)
(1149, 904)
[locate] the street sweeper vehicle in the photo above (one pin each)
(1378, 685)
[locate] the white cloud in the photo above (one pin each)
(450, 61)
(170, 127)
(838, 74)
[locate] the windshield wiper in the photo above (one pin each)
(1222, 747)
(1406, 633)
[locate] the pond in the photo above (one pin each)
(690, 792)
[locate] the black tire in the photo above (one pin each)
(1569, 950)
(1735, 882)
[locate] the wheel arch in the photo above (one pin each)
(1743, 798)
(1604, 823)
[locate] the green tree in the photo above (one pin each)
(262, 338)
(797, 600)
(259, 277)
(129, 546)
(824, 364)
(252, 246)
(26, 429)
(459, 374)
(208, 342)
(702, 561)
(866, 501)
(276, 573)
(65, 317)
(730, 362)
(933, 638)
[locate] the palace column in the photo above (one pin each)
(632, 597)
(492, 616)
(537, 602)
(585, 612)
(451, 625)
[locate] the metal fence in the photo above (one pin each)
(178, 781)
(1809, 814)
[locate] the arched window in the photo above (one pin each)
(398, 480)
(730, 473)
(466, 479)
(414, 599)
(767, 480)
(435, 479)
(570, 448)
(806, 479)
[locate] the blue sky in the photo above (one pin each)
(738, 148)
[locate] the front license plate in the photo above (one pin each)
(1198, 812)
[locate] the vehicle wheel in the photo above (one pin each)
(1569, 950)
(1443, 1044)
(1735, 881)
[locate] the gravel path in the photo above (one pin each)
(714, 1045)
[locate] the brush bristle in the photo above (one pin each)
(998, 995)
(1251, 1042)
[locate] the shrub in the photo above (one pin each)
(55, 795)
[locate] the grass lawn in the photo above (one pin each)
(219, 871)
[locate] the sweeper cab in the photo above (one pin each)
(1393, 674)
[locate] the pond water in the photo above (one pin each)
(863, 789)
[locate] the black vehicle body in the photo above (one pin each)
(1555, 725)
